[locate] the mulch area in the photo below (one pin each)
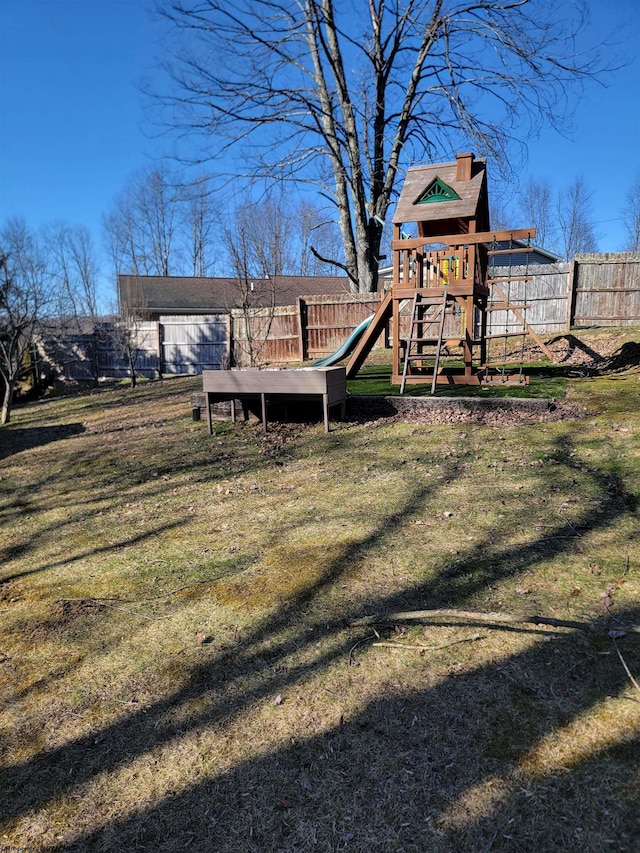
(491, 412)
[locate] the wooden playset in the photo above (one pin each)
(451, 298)
(446, 285)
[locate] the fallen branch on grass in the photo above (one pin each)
(624, 664)
(497, 619)
(391, 645)
(352, 660)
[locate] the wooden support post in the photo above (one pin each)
(230, 358)
(263, 404)
(483, 330)
(396, 258)
(419, 270)
(396, 355)
(207, 398)
(468, 336)
(160, 334)
(325, 410)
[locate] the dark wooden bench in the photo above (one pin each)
(329, 384)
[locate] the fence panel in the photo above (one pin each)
(546, 295)
(607, 290)
(330, 320)
(73, 357)
(266, 336)
(193, 343)
(111, 360)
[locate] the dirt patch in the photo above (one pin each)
(595, 349)
(68, 619)
(490, 412)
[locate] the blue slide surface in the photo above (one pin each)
(347, 347)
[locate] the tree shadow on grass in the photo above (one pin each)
(17, 440)
(97, 486)
(396, 772)
(624, 358)
(466, 764)
(14, 552)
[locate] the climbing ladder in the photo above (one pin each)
(426, 310)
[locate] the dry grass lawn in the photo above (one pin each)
(178, 663)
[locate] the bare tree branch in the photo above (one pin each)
(631, 216)
(26, 302)
(576, 221)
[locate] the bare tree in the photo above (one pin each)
(499, 209)
(536, 209)
(266, 239)
(631, 216)
(140, 230)
(269, 227)
(198, 220)
(317, 238)
(344, 98)
(122, 239)
(129, 337)
(255, 298)
(26, 299)
(129, 333)
(575, 220)
(71, 256)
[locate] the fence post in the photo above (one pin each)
(302, 328)
(571, 293)
(234, 360)
(160, 331)
(94, 344)
(228, 356)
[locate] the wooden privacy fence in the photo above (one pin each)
(191, 344)
(591, 290)
(546, 294)
(98, 355)
(605, 290)
(315, 326)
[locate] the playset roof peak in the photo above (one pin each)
(443, 191)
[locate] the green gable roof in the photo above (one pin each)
(437, 191)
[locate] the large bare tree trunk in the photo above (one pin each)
(7, 400)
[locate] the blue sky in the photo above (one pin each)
(72, 127)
